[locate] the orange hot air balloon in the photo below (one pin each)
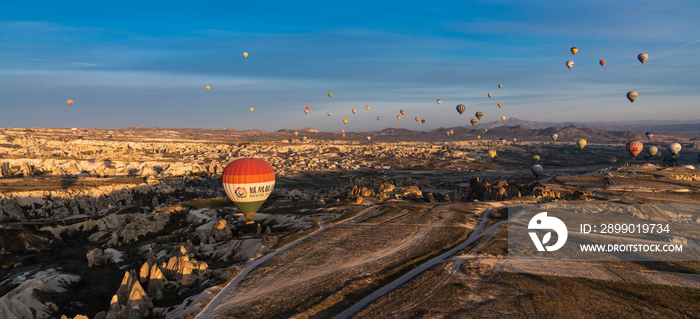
(245, 55)
(367, 107)
(403, 112)
(329, 113)
(574, 50)
(354, 111)
(306, 111)
(308, 107)
(251, 110)
(634, 148)
(503, 118)
(248, 182)
(602, 63)
(398, 117)
(70, 102)
(500, 86)
(417, 119)
(207, 88)
(489, 95)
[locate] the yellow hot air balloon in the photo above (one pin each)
(330, 95)
(367, 107)
(574, 50)
(251, 110)
(489, 95)
(492, 153)
(503, 118)
(499, 105)
(581, 143)
(345, 121)
(207, 88)
(296, 133)
(245, 55)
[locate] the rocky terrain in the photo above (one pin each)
(135, 224)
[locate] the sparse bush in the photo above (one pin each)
(655, 299)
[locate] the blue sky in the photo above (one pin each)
(147, 63)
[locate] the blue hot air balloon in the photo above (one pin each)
(649, 135)
(503, 140)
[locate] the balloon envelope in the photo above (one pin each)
(555, 136)
(613, 159)
(473, 121)
(499, 105)
(581, 143)
(569, 64)
(461, 108)
(70, 102)
(602, 63)
(489, 95)
(248, 182)
(503, 118)
(329, 113)
(422, 121)
(649, 135)
(503, 139)
(632, 95)
(492, 153)
(500, 86)
(306, 111)
(345, 121)
(207, 88)
(354, 111)
(398, 117)
(330, 95)
(652, 150)
(367, 107)
(378, 118)
(634, 148)
(537, 170)
(245, 55)
(251, 110)
(674, 148)
(308, 107)
(535, 158)
(402, 112)
(439, 101)
(479, 115)
(642, 57)
(574, 50)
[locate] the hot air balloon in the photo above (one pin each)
(555, 136)
(207, 88)
(569, 64)
(652, 150)
(474, 121)
(602, 63)
(503, 140)
(330, 95)
(461, 108)
(369, 138)
(245, 55)
(354, 111)
(251, 110)
(343, 134)
(574, 50)
(439, 101)
(342, 131)
(535, 158)
(581, 143)
(632, 95)
(642, 57)
(447, 133)
(417, 119)
(537, 170)
(503, 118)
(378, 118)
(306, 111)
(479, 115)
(367, 107)
(634, 148)
(308, 107)
(398, 117)
(489, 95)
(402, 112)
(674, 148)
(452, 132)
(500, 86)
(345, 121)
(248, 182)
(74, 130)
(499, 105)
(478, 137)
(422, 121)
(70, 102)
(492, 153)
(486, 130)
(613, 159)
(391, 131)
(649, 135)
(296, 133)
(304, 138)
(329, 113)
